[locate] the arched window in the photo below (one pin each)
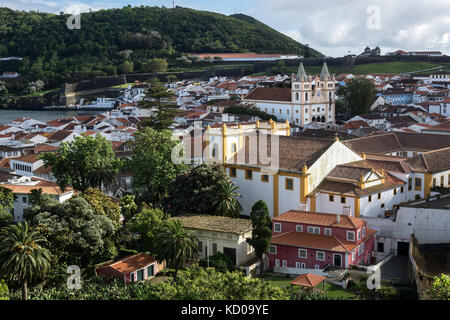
(214, 151)
(296, 96)
(306, 96)
(233, 148)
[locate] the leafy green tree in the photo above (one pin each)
(441, 288)
(22, 256)
(358, 96)
(225, 202)
(176, 245)
(157, 100)
(155, 65)
(128, 207)
(77, 234)
(102, 204)
(86, 162)
(151, 164)
(172, 78)
(6, 204)
(4, 291)
(250, 111)
(198, 283)
(195, 190)
(220, 261)
(147, 224)
(127, 67)
(3, 88)
(262, 231)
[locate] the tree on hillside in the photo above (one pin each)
(23, 258)
(176, 245)
(154, 66)
(195, 190)
(225, 201)
(358, 96)
(86, 162)
(262, 231)
(151, 165)
(157, 100)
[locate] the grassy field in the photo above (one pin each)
(384, 67)
(331, 289)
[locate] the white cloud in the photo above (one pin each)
(334, 27)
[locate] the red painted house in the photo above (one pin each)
(308, 240)
(134, 268)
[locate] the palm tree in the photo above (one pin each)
(225, 202)
(176, 245)
(22, 258)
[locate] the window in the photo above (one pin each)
(382, 205)
(233, 172)
(328, 232)
(215, 248)
(434, 182)
(418, 184)
(273, 249)
(380, 247)
(379, 196)
(299, 228)
(314, 230)
(233, 148)
(297, 265)
(370, 198)
(289, 184)
(402, 189)
(133, 277)
(410, 184)
(264, 178)
(150, 271)
(302, 253)
(361, 249)
(249, 174)
(395, 192)
(320, 256)
(277, 262)
(214, 152)
(24, 199)
(249, 248)
(442, 181)
(359, 234)
(331, 198)
(350, 236)
(317, 267)
(200, 247)
(343, 200)
(277, 227)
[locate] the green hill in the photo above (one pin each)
(114, 41)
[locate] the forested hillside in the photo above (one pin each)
(124, 40)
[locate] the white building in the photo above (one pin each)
(310, 99)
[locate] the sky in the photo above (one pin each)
(335, 28)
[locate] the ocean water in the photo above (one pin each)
(7, 116)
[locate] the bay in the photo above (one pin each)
(7, 116)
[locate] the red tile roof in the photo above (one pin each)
(131, 263)
(270, 94)
(309, 280)
(320, 219)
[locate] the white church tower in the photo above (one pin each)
(313, 97)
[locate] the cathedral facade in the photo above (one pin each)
(310, 99)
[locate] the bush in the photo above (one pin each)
(219, 261)
(250, 111)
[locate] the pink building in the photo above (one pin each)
(308, 240)
(138, 267)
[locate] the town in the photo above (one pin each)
(224, 159)
(339, 196)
